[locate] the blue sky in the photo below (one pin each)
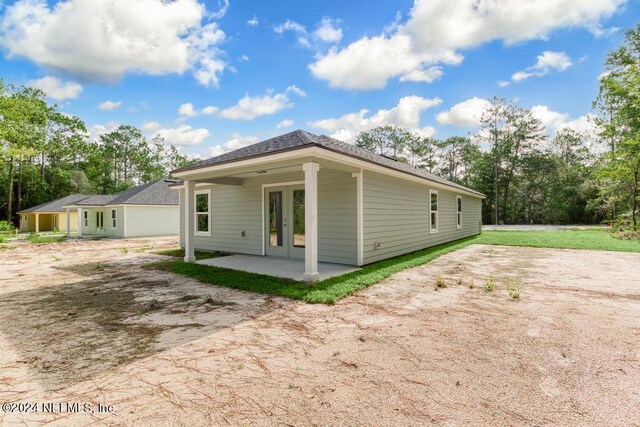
(218, 75)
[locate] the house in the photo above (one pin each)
(51, 216)
(146, 210)
(317, 199)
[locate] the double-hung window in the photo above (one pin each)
(459, 212)
(114, 218)
(86, 218)
(433, 211)
(203, 212)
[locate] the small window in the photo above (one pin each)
(203, 212)
(86, 218)
(433, 211)
(459, 211)
(114, 218)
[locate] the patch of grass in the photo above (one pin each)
(179, 253)
(596, 239)
(56, 258)
(37, 239)
(514, 287)
(327, 291)
(490, 285)
(440, 283)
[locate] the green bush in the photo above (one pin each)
(6, 226)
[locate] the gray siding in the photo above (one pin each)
(239, 208)
(396, 215)
(149, 220)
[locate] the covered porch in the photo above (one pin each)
(292, 217)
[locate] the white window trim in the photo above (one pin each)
(195, 213)
(437, 212)
(459, 212)
(114, 219)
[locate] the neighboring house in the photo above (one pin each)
(311, 197)
(146, 210)
(51, 216)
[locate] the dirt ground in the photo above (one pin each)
(83, 322)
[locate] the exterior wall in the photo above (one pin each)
(148, 220)
(91, 229)
(239, 208)
(396, 216)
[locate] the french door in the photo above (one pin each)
(284, 222)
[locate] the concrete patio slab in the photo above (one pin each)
(286, 268)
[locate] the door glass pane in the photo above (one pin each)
(275, 218)
(298, 218)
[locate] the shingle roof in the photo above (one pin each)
(56, 205)
(152, 193)
(301, 139)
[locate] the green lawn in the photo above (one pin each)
(570, 239)
(331, 290)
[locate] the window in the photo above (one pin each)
(433, 211)
(113, 218)
(203, 212)
(459, 211)
(86, 218)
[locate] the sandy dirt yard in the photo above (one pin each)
(82, 322)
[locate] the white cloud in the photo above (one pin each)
(183, 135)
(437, 30)
(464, 114)
(149, 126)
(427, 75)
(405, 114)
(550, 119)
(188, 110)
(117, 37)
(328, 31)
(546, 62)
(253, 22)
(56, 88)
(298, 29)
(109, 105)
(503, 83)
(244, 58)
(236, 141)
(98, 130)
(250, 107)
(286, 123)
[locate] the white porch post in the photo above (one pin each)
(68, 222)
(189, 219)
(79, 222)
(359, 216)
(311, 221)
(37, 222)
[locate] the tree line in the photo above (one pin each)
(532, 177)
(47, 154)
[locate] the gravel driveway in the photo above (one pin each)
(93, 327)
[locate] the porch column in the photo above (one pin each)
(79, 222)
(37, 222)
(189, 219)
(311, 221)
(68, 222)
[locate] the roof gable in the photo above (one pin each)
(58, 204)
